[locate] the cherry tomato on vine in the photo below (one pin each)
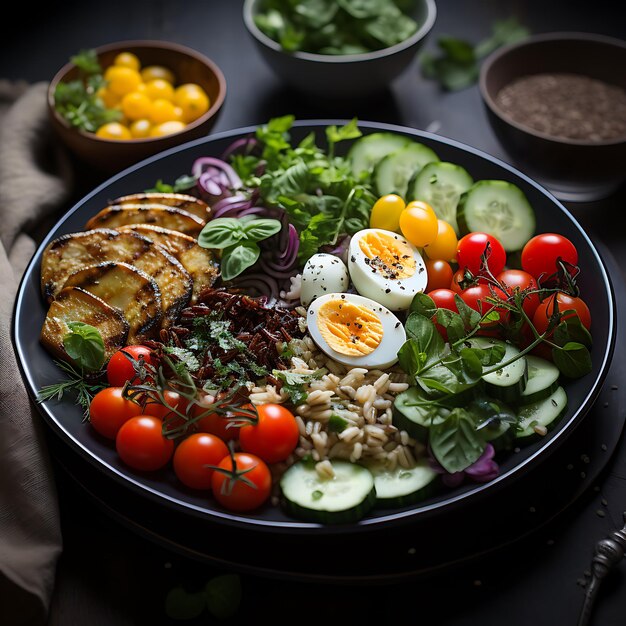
(213, 422)
(274, 436)
(521, 281)
(475, 297)
(108, 411)
(439, 274)
(192, 456)
(471, 248)
(141, 444)
(120, 369)
(443, 299)
(235, 494)
(541, 253)
(445, 243)
(565, 302)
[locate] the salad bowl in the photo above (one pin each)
(161, 489)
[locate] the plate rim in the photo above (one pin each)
(421, 510)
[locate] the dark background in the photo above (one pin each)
(110, 575)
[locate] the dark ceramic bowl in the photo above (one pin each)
(341, 76)
(188, 66)
(574, 170)
(161, 488)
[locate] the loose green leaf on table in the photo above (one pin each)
(456, 66)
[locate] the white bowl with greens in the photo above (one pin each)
(339, 48)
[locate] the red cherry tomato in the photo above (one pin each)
(472, 246)
(475, 298)
(546, 310)
(519, 280)
(274, 436)
(108, 411)
(235, 494)
(443, 299)
(439, 274)
(541, 253)
(213, 422)
(192, 456)
(141, 444)
(120, 369)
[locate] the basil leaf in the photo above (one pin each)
(455, 442)
(453, 324)
(259, 229)
(426, 336)
(470, 317)
(423, 304)
(223, 595)
(410, 358)
(572, 359)
(85, 346)
(181, 605)
(239, 258)
(220, 233)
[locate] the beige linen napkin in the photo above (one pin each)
(35, 181)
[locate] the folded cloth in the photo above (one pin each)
(35, 181)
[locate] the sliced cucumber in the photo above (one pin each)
(393, 172)
(546, 412)
(368, 150)
(499, 434)
(508, 382)
(500, 209)
(543, 380)
(499, 417)
(441, 185)
(402, 486)
(346, 497)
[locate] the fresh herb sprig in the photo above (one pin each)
(78, 102)
(457, 65)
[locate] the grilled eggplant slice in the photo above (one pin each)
(128, 289)
(74, 304)
(70, 253)
(167, 217)
(198, 261)
(182, 201)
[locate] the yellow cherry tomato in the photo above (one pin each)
(164, 111)
(109, 99)
(140, 129)
(150, 72)
(159, 88)
(192, 99)
(127, 59)
(386, 212)
(444, 246)
(167, 128)
(122, 80)
(113, 130)
(418, 225)
(419, 204)
(136, 105)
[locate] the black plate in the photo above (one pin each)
(65, 419)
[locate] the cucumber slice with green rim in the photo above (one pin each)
(402, 486)
(393, 172)
(345, 498)
(441, 185)
(546, 413)
(368, 150)
(543, 380)
(506, 383)
(500, 209)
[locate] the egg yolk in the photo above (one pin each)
(348, 328)
(388, 255)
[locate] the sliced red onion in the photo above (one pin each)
(260, 284)
(217, 166)
(244, 145)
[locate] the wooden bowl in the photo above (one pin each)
(189, 66)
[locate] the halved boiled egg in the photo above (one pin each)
(355, 331)
(385, 267)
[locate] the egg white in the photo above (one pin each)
(384, 355)
(395, 294)
(322, 274)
